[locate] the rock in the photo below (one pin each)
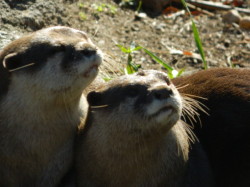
(154, 7)
(140, 15)
(245, 23)
(232, 16)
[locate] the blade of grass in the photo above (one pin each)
(157, 59)
(199, 44)
(139, 6)
(196, 36)
(169, 69)
(123, 49)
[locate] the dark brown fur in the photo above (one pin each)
(225, 133)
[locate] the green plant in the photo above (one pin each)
(81, 5)
(139, 6)
(82, 16)
(133, 67)
(103, 7)
(172, 73)
(99, 7)
(112, 9)
(196, 36)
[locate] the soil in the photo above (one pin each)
(109, 23)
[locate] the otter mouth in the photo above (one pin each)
(92, 69)
(166, 109)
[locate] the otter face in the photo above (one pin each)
(143, 100)
(52, 60)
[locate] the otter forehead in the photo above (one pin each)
(140, 87)
(143, 79)
(55, 57)
(52, 36)
(61, 36)
(37, 47)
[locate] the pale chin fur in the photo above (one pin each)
(171, 114)
(92, 69)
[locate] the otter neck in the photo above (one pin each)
(164, 156)
(47, 109)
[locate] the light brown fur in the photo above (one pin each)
(127, 142)
(42, 104)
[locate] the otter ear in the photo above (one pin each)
(94, 98)
(11, 61)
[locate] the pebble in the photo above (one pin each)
(232, 16)
(155, 6)
(245, 23)
(140, 15)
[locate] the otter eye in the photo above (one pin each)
(132, 92)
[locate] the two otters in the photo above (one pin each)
(43, 76)
(134, 135)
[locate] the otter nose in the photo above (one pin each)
(88, 51)
(162, 93)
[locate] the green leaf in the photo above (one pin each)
(106, 79)
(81, 5)
(196, 36)
(123, 49)
(157, 59)
(139, 6)
(137, 48)
(199, 44)
(180, 72)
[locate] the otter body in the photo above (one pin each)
(43, 75)
(134, 135)
(224, 134)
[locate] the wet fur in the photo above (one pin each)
(42, 104)
(224, 133)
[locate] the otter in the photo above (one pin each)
(43, 75)
(134, 136)
(224, 134)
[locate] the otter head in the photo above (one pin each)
(50, 61)
(141, 102)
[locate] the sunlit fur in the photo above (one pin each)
(128, 141)
(41, 105)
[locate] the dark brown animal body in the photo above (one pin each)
(134, 136)
(43, 75)
(225, 133)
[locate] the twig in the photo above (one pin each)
(214, 5)
(199, 9)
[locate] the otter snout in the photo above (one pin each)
(162, 93)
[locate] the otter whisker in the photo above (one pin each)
(25, 66)
(191, 135)
(182, 86)
(100, 106)
(191, 107)
(195, 96)
(196, 104)
(188, 117)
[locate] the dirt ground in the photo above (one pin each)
(108, 23)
